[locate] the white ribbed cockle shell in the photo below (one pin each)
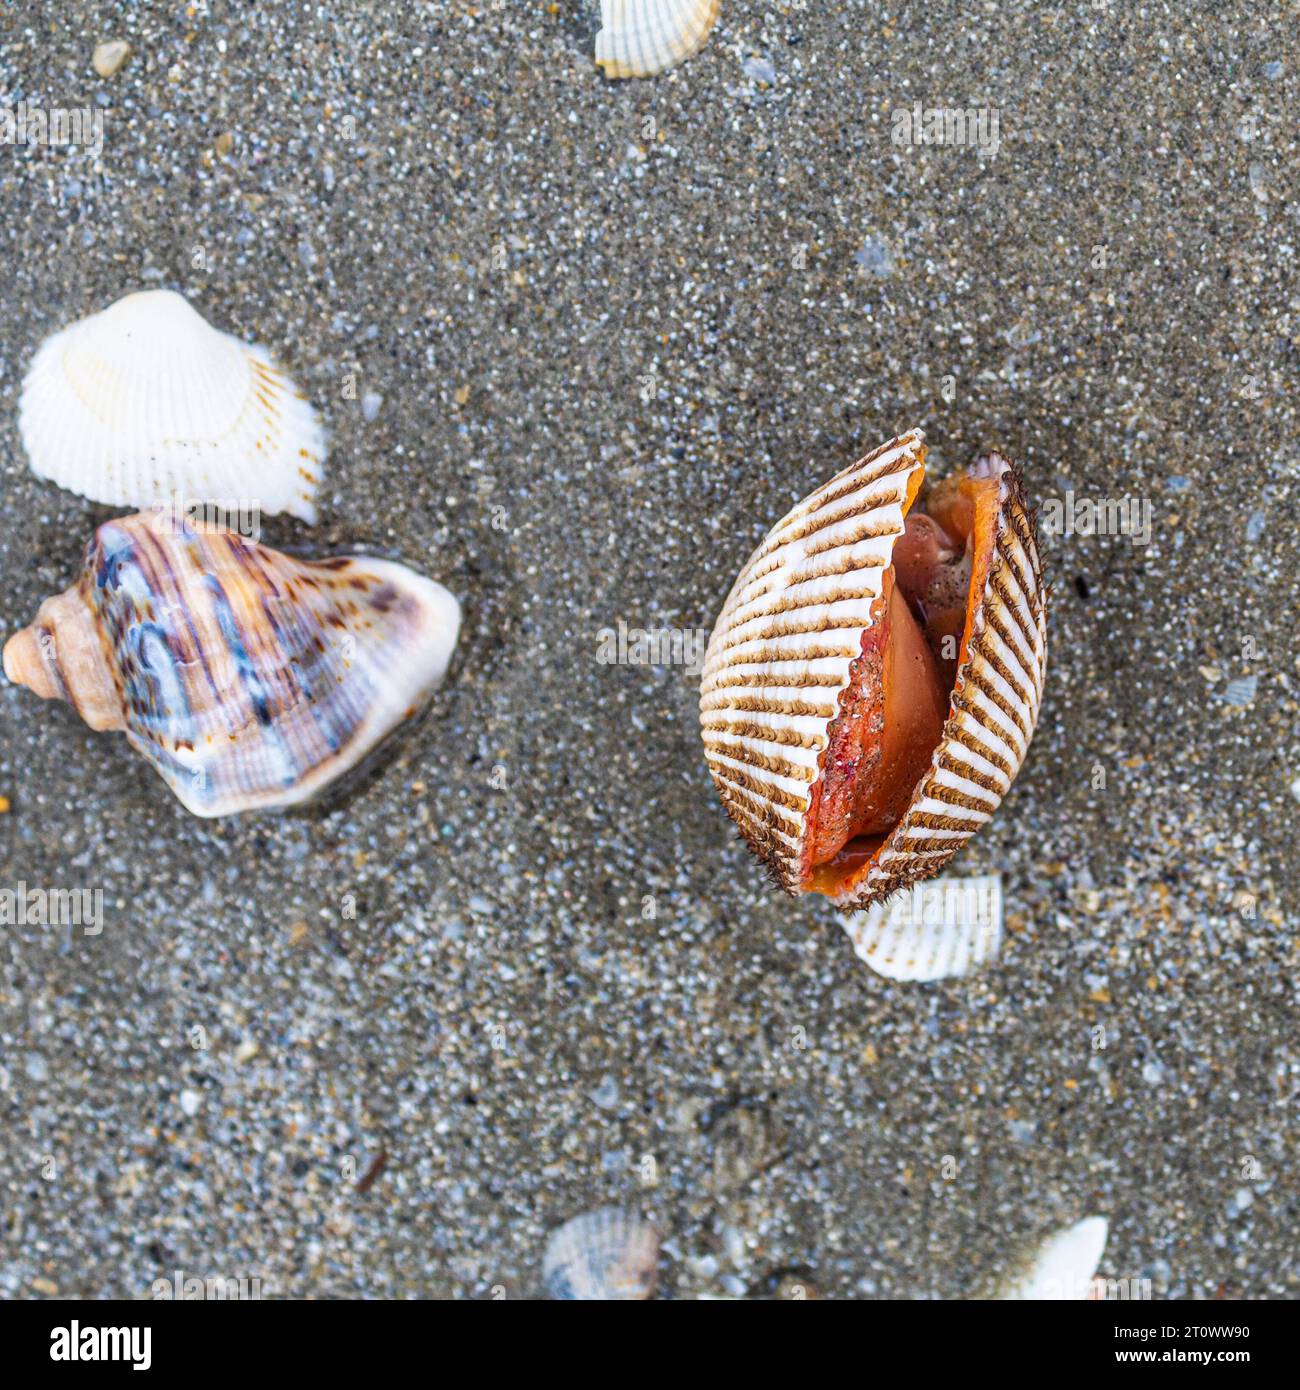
(782, 655)
(783, 648)
(639, 38)
(607, 1255)
(903, 938)
(147, 403)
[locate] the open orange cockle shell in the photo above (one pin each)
(874, 678)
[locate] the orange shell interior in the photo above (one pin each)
(892, 713)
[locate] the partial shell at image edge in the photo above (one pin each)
(606, 1255)
(1060, 1268)
(641, 38)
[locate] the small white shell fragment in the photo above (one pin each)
(601, 1256)
(639, 38)
(938, 929)
(1062, 1267)
(759, 69)
(1241, 692)
(110, 56)
(146, 404)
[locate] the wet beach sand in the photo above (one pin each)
(579, 343)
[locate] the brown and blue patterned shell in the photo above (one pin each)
(248, 677)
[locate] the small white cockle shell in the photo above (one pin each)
(639, 38)
(939, 929)
(147, 403)
(602, 1255)
(1062, 1266)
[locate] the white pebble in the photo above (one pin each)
(110, 56)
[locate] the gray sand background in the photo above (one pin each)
(403, 1103)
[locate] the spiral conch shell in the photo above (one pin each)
(146, 402)
(874, 679)
(248, 678)
(639, 38)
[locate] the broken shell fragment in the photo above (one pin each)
(248, 678)
(603, 1255)
(146, 403)
(639, 38)
(1061, 1267)
(874, 678)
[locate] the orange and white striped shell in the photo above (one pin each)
(797, 632)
